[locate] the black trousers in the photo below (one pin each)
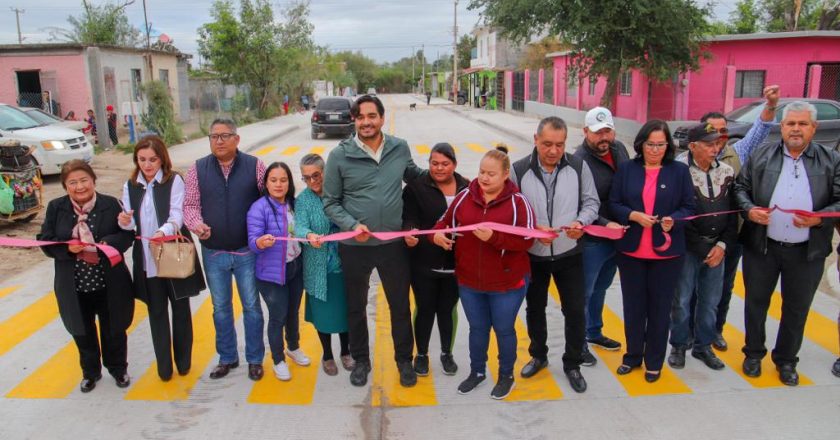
(178, 339)
(114, 349)
(800, 279)
(647, 291)
(392, 264)
(434, 296)
(568, 276)
(326, 344)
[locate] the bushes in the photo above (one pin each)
(160, 116)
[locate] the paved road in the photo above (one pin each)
(40, 397)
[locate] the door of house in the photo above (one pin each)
(830, 82)
(500, 91)
(518, 102)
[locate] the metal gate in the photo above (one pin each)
(518, 91)
(500, 91)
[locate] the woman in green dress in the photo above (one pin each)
(326, 303)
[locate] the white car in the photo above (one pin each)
(54, 144)
(50, 119)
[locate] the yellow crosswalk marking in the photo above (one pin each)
(539, 387)
(150, 387)
(634, 383)
(386, 388)
(60, 375)
(818, 328)
(319, 150)
(290, 150)
(26, 322)
(477, 148)
(7, 290)
(265, 150)
(734, 358)
(301, 389)
(423, 149)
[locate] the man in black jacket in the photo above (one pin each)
(706, 239)
(792, 174)
(603, 154)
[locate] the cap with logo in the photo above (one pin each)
(705, 133)
(599, 118)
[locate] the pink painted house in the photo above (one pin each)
(803, 64)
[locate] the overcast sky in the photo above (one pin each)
(385, 30)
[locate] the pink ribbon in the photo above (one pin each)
(114, 256)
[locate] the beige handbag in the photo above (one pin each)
(175, 259)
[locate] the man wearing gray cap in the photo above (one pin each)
(603, 154)
(706, 239)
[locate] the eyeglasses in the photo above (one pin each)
(653, 146)
(312, 177)
(223, 136)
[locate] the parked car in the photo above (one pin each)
(50, 119)
(371, 91)
(54, 144)
(741, 119)
(332, 116)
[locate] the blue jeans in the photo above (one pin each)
(218, 270)
(283, 304)
(599, 269)
(707, 281)
(497, 310)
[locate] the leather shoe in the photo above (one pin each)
(788, 375)
(576, 380)
(719, 343)
(222, 370)
(835, 370)
(652, 377)
(408, 377)
(709, 358)
(255, 372)
(123, 380)
(677, 357)
(533, 367)
(752, 367)
(88, 384)
(624, 369)
(358, 377)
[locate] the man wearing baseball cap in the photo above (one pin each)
(112, 125)
(707, 239)
(603, 154)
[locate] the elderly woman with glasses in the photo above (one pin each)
(326, 303)
(647, 194)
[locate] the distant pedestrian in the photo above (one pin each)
(285, 104)
(428, 98)
(305, 101)
(112, 125)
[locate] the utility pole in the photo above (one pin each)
(423, 50)
(413, 78)
(17, 17)
(149, 75)
(455, 56)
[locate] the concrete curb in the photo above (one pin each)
(491, 125)
(257, 143)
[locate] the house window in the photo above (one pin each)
(163, 76)
(572, 85)
(592, 84)
(626, 84)
(135, 84)
(749, 83)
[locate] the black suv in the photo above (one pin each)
(332, 116)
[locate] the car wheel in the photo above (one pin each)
(314, 134)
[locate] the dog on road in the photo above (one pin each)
(412, 107)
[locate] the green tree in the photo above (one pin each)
(361, 67)
(790, 15)
(661, 38)
(465, 46)
(745, 18)
(535, 54)
(160, 114)
(105, 24)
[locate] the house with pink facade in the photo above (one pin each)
(72, 75)
(803, 64)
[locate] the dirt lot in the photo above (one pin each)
(112, 169)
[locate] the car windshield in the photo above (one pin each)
(43, 118)
(749, 113)
(328, 105)
(14, 119)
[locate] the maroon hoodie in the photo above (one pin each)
(501, 263)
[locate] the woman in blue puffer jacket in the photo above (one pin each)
(278, 267)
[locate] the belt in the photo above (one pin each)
(787, 245)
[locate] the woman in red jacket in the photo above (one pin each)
(492, 268)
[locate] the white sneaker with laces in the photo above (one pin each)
(281, 371)
(299, 357)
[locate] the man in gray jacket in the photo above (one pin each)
(363, 192)
(562, 193)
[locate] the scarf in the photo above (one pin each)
(82, 232)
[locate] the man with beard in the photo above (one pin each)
(363, 192)
(603, 154)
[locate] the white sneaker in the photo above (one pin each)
(299, 357)
(281, 371)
